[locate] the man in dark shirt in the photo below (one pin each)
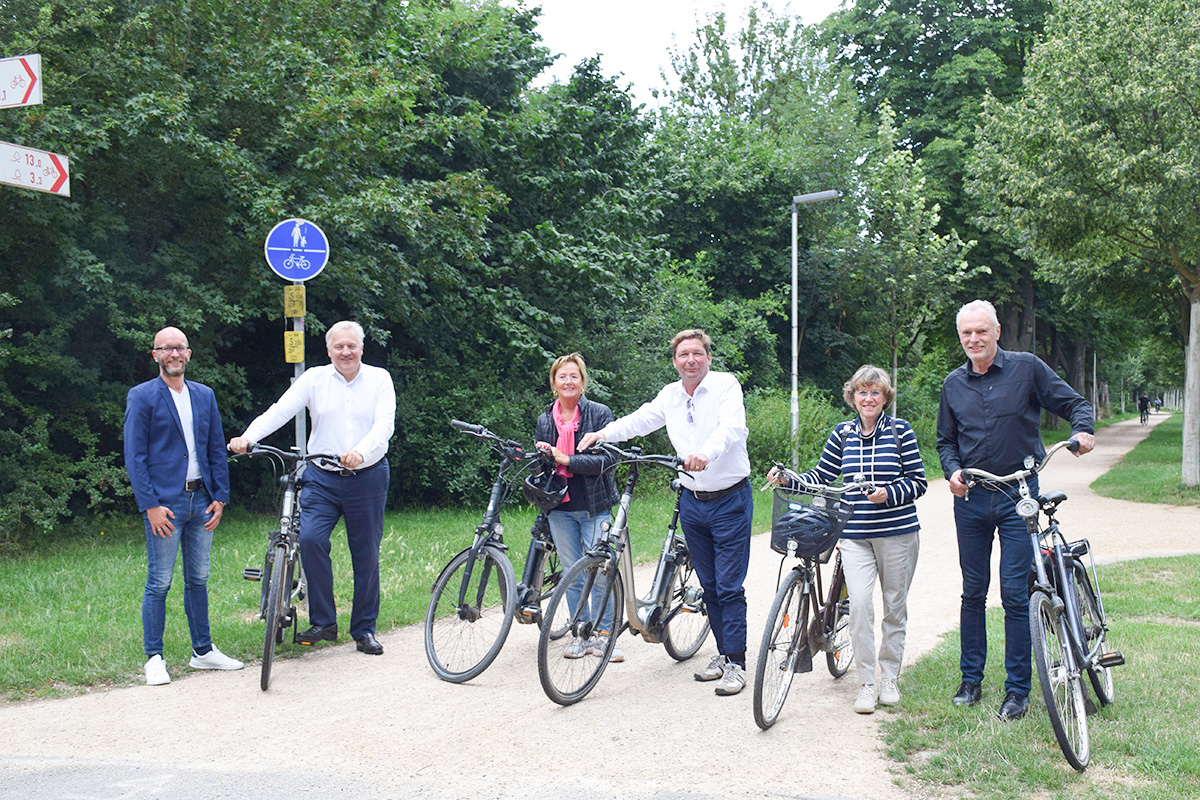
(989, 419)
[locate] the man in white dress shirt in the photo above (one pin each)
(353, 411)
(706, 422)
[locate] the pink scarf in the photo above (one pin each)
(566, 438)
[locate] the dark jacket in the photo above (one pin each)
(596, 470)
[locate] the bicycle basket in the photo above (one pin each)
(545, 489)
(813, 522)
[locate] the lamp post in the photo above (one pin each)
(797, 201)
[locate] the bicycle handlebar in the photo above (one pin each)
(972, 475)
(509, 448)
(293, 457)
(634, 455)
(859, 482)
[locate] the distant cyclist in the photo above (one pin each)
(1144, 408)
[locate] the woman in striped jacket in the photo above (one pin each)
(881, 539)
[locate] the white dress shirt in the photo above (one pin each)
(712, 423)
(358, 415)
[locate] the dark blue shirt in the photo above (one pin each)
(992, 421)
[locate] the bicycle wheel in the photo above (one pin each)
(1062, 691)
(1092, 622)
(780, 647)
(278, 592)
(688, 623)
(566, 671)
(461, 641)
(840, 655)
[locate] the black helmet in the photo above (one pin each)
(545, 489)
(814, 530)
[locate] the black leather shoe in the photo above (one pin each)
(368, 644)
(1014, 706)
(968, 694)
(317, 633)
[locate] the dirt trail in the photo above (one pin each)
(387, 727)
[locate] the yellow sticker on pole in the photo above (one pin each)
(293, 347)
(293, 301)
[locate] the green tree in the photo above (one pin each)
(901, 261)
(1098, 160)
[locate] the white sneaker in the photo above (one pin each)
(714, 670)
(214, 659)
(596, 647)
(578, 648)
(889, 695)
(865, 704)
(156, 672)
(733, 681)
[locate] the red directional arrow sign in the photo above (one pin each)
(21, 81)
(35, 169)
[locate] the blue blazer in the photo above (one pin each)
(155, 451)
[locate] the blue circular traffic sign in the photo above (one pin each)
(296, 249)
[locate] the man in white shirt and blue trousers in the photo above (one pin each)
(706, 421)
(353, 410)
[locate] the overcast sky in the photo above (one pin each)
(633, 36)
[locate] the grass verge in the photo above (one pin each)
(70, 607)
(1152, 471)
(1145, 745)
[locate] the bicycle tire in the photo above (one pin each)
(461, 643)
(688, 624)
(1062, 692)
(840, 655)
(567, 680)
(278, 592)
(780, 647)
(1092, 622)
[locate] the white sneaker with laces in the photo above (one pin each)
(214, 659)
(714, 670)
(865, 704)
(578, 648)
(156, 671)
(596, 647)
(733, 681)
(889, 695)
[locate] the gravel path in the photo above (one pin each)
(387, 727)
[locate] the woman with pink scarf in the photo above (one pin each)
(591, 488)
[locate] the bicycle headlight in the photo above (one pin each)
(1027, 507)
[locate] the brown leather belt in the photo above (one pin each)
(719, 493)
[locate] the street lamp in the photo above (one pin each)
(797, 201)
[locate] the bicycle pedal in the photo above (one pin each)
(527, 615)
(1112, 659)
(252, 573)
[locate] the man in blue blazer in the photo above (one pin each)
(175, 457)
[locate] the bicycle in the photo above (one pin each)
(1144, 414)
(282, 576)
(672, 613)
(476, 596)
(1066, 612)
(806, 523)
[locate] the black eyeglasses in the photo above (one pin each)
(172, 348)
(690, 408)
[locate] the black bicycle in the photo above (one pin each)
(805, 618)
(282, 577)
(672, 612)
(1066, 612)
(476, 596)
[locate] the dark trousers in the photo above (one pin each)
(718, 540)
(359, 499)
(977, 519)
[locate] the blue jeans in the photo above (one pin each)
(989, 512)
(190, 536)
(718, 540)
(575, 533)
(359, 499)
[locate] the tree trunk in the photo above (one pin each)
(1191, 398)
